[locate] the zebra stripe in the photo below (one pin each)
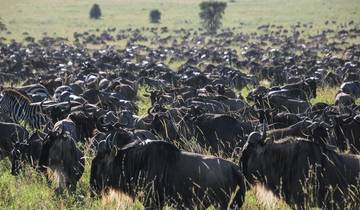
(19, 108)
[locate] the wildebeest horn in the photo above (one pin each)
(85, 111)
(326, 125)
(103, 146)
(147, 89)
(149, 112)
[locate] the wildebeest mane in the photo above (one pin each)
(143, 161)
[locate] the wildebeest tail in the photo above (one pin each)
(239, 196)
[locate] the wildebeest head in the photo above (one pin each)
(311, 86)
(17, 156)
(254, 142)
(28, 151)
(99, 166)
(85, 123)
(106, 151)
(163, 125)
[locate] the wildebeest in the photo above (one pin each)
(304, 173)
(10, 134)
(352, 88)
(27, 151)
(220, 132)
(166, 174)
(79, 125)
(347, 132)
(287, 104)
(60, 154)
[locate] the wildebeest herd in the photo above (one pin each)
(75, 101)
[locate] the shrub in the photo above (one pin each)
(155, 16)
(95, 12)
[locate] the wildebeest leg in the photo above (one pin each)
(71, 186)
(2, 155)
(154, 198)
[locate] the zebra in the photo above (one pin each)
(19, 108)
(36, 92)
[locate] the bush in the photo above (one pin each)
(211, 14)
(95, 12)
(155, 16)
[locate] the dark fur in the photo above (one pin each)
(60, 154)
(10, 133)
(284, 169)
(166, 174)
(27, 151)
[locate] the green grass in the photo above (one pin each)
(63, 17)
(143, 102)
(325, 94)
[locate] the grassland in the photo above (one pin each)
(64, 17)
(31, 190)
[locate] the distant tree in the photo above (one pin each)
(95, 12)
(211, 13)
(155, 16)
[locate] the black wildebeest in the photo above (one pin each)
(346, 129)
(220, 132)
(166, 174)
(352, 88)
(27, 151)
(60, 154)
(10, 134)
(303, 173)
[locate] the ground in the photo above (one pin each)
(64, 17)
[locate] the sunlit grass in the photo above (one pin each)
(142, 102)
(64, 17)
(326, 95)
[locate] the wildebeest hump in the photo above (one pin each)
(207, 179)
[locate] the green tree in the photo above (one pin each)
(155, 16)
(95, 12)
(211, 13)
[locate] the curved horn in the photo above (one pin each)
(85, 111)
(147, 89)
(149, 112)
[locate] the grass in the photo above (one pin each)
(30, 190)
(325, 94)
(64, 17)
(143, 102)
